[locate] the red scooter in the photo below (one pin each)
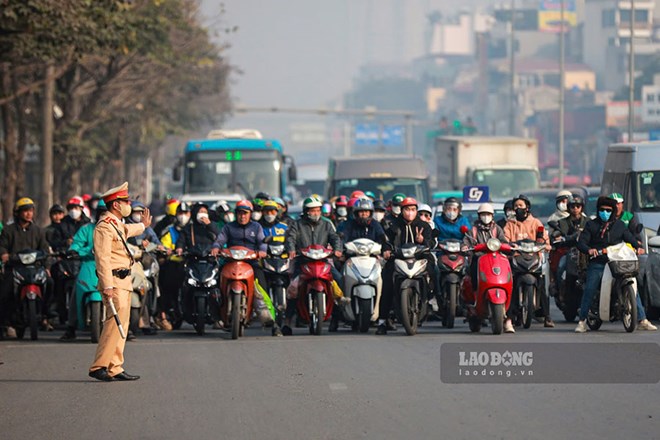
(237, 287)
(453, 266)
(493, 291)
(316, 285)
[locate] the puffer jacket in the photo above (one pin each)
(515, 230)
(250, 235)
(303, 233)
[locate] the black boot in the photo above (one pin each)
(381, 330)
(69, 335)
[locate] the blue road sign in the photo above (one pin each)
(475, 194)
(367, 134)
(392, 135)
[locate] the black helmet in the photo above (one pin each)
(183, 207)
(576, 200)
(262, 195)
(363, 205)
(453, 201)
(379, 205)
(508, 205)
(56, 208)
(525, 199)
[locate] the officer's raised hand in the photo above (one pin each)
(146, 218)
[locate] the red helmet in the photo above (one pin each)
(352, 202)
(75, 201)
(409, 201)
(357, 194)
(341, 201)
(244, 205)
(86, 197)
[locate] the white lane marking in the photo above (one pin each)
(338, 387)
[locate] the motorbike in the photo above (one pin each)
(65, 271)
(362, 281)
(276, 270)
(411, 281)
(144, 274)
(317, 301)
(237, 287)
(201, 299)
(528, 280)
(571, 284)
(453, 267)
(491, 297)
(92, 305)
(617, 299)
(30, 276)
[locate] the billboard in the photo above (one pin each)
(550, 15)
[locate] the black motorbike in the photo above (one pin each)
(65, 272)
(201, 299)
(276, 270)
(411, 285)
(528, 282)
(30, 276)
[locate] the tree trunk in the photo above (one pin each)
(47, 146)
(11, 150)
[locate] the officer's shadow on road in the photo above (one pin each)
(46, 381)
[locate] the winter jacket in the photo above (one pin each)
(303, 233)
(515, 230)
(65, 231)
(482, 233)
(447, 229)
(402, 232)
(373, 231)
(15, 239)
(195, 233)
(276, 229)
(570, 229)
(599, 235)
(250, 235)
(148, 235)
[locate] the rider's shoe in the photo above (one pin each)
(645, 324)
(581, 327)
(286, 330)
(381, 330)
(548, 323)
(508, 326)
(69, 335)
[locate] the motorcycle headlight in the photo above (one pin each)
(364, 249)
(276, 249)
(27, 259)
(408, 252)
(453, 246)
(192, 282)
(493, 244)
(239, 254)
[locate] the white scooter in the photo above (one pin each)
(362, 281)
(618, 291)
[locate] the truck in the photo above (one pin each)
(231, 165)
(384, 175)
(507, 165)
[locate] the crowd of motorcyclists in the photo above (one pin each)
(571, 243)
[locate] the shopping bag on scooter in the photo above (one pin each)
(266, 298)
(336, 290)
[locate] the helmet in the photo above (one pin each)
(221, 207)
(23, 203)
(311, 202)
(86, 197)
(262, 196)
(270, 205)
(101, 206)
(256, 204)
(183, 207)
(352, 202)
(606, 201)
(97, 196)
(524, 199)
(137, 206)
(279, 201)
(423, 207)
(326, 209)
(318, 197)
(397, 199)
(617, 197)
(75, 201)
(341, 201)
(486, 207)
(56, 208)
(172, 206)
(363, 205)
(563, 194)
(409, 201)
(453, 201)
(244, 205)
(508, 205)
(370, 194)
(379, 205)
(576, 200)
(357, 194)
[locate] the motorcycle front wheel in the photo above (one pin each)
(449, 314)
(364, 316)
(200, 319)
(409, 313)
(236, 316)
(629, 309)
(497, 318)
(529, 293)
(319, 312)
(33, 319)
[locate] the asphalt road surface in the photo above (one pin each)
(336, 386)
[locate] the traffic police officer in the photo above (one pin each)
(113, 266)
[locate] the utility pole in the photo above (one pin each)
(47, 146)
(512, 71)
(562, 102)
(631, 74)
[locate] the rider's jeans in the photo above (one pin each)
(591, 287)
(561, 268)
(594, 275)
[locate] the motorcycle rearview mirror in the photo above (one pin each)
(539, 232)
(464, 230)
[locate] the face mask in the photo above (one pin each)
(270, 218)
(409, 215)
(94, 204)
(314, 218)
(521, 214)
(183, 219)
(125, 209)
(396, 210)
(451, 215)
(563, 207)
(510, 215)
(486, 218)
(75, 213)
(201, 216)
(137, 218)
(604, 215)
(229, 217)
(256, 215)
(341, 211)
(378, 216)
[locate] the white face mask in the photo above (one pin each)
(256, 216)
(378, 216)
(451, 215)
(75, 213)
(563, 206)
(341, 211)
(510, 214)
(183, 219)
(396, 210)
(229, 217)
(486, 218)
(270, 218)
(201, 216)
(315, 218)
(137, 218)
(94, 204)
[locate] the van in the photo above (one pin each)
(633, 170)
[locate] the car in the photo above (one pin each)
(470, 211)
(543, 202)
(440, 196)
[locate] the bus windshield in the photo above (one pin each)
(385, 188)
(211, 172)
(506, 184)
(648, 185)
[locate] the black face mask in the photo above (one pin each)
(521, 214)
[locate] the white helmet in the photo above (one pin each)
(486, 207)
(424, 207)
(563, 194)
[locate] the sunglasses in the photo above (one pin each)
(574, 206)
(604, 210)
